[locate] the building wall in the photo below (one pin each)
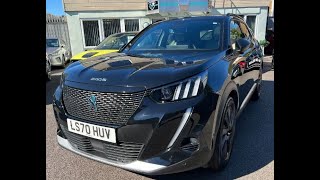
(261, 17)
(103, 5)
(239, 3)
(75, 29)
(107, 9)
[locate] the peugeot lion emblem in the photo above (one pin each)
(93, 102)
(152, 5)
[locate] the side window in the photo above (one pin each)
(245, 30)
(235, 33)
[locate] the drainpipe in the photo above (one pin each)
(272, 8)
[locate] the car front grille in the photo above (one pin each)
(112, 108)
(124, 152)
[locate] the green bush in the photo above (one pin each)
(264, 43)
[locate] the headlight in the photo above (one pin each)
(187, 88)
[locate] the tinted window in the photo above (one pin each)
(111, 26)
(244, 29)
(91, 32)
(235, 33)
(181, 35)
(115, 41)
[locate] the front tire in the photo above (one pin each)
(225, 137)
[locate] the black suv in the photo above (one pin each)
(167, 101)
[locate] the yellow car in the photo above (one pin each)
(111, 44)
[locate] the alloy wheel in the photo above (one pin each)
(227, 131)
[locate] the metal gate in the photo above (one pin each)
(57, 27)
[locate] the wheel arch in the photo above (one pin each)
(230, 89)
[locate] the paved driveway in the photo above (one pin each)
(252, 157)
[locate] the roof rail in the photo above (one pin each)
(235, 15)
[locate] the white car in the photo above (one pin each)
(57, 51)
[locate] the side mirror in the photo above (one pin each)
(242, 44)
(62, 45)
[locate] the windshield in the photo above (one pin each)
(180, 35)
(52, 43)
(115, 41)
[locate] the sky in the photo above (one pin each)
(54, 7)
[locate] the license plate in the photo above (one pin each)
(91, 130)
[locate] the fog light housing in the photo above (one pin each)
(194, 141)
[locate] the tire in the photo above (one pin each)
(224, 142)
(63, 61)
(257, 92)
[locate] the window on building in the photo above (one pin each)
(91, 32)
(251, 21)
(131, 25)
(111, 26)
(96, 30)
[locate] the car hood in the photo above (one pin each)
(119, 69)
(92, 53)
(49, 50)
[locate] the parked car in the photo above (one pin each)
(57, 51)
(48, 68)
(110, 44)
(158, 107)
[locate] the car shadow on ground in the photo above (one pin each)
(267, 66)
(253, 145)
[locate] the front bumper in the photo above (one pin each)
(164, 129)
(137, 166)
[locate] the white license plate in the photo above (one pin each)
(91, 130)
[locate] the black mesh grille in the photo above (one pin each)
(190, 147)
(123, 152)
(112, 108)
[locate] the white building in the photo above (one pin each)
(90, 21)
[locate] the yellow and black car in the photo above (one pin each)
(111, 44)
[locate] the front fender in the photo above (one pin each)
(221, 83)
